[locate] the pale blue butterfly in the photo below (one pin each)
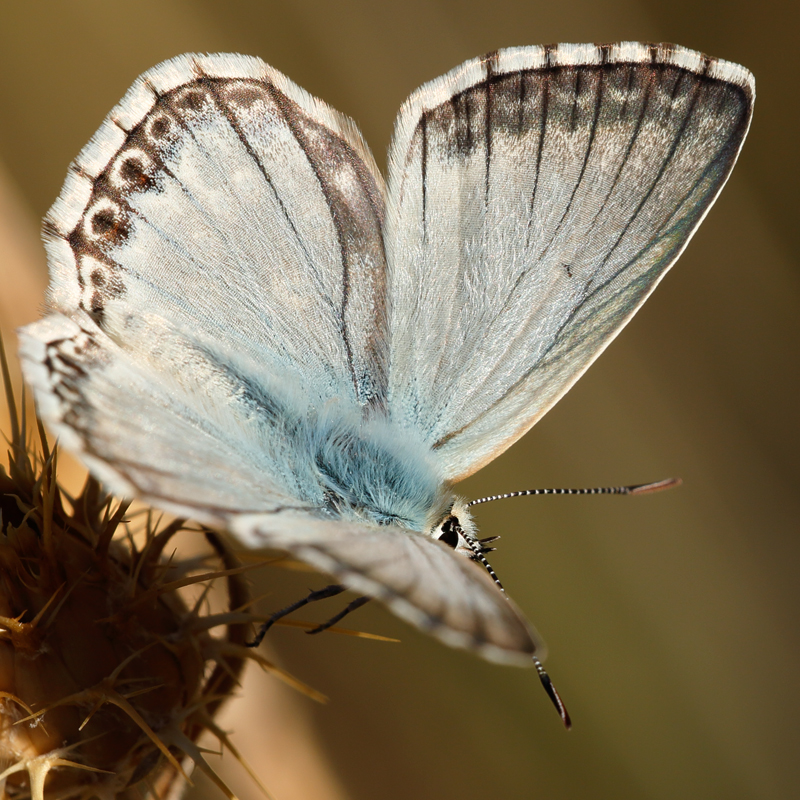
(250, 328)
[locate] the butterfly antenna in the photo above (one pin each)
(478, 549)
(477, 555)
(552, 693)
(642, 488)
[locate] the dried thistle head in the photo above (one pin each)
(107, 676)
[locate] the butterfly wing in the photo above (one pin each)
(222, 198)
(177, 428)
(419, 579)
(215, 259)
(536, 197)
(220, 211)
(187, 440)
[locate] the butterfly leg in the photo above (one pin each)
(312, 597)
(357, 603)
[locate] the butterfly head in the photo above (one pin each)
(457, 529)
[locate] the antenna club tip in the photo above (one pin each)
(657, 486)
(553, 694)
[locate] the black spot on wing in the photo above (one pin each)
(98, 278)
(110, 224)
(160, 127)
(135, 174)
(242, 94)
(191, 99)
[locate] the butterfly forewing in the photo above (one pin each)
(551, 188)
(217, 212)
(218, 174)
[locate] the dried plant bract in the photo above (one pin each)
(107, 675)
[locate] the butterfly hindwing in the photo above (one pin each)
(419, 579)
(536, 197)
(176, 428)
(177, 431)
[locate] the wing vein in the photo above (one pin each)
(671, 153)
(546, 77)
(228, 114)
(587, 155)
(280, 101)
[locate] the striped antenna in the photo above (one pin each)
(552, 693)
(642, 488)
(477, 555)
(478, 549)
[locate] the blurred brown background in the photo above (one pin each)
(672, 619)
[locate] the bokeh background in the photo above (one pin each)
(672, 619)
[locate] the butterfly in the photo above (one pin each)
(249, 327)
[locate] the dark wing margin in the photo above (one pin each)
(536, 197)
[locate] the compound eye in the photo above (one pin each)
(449, 534)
